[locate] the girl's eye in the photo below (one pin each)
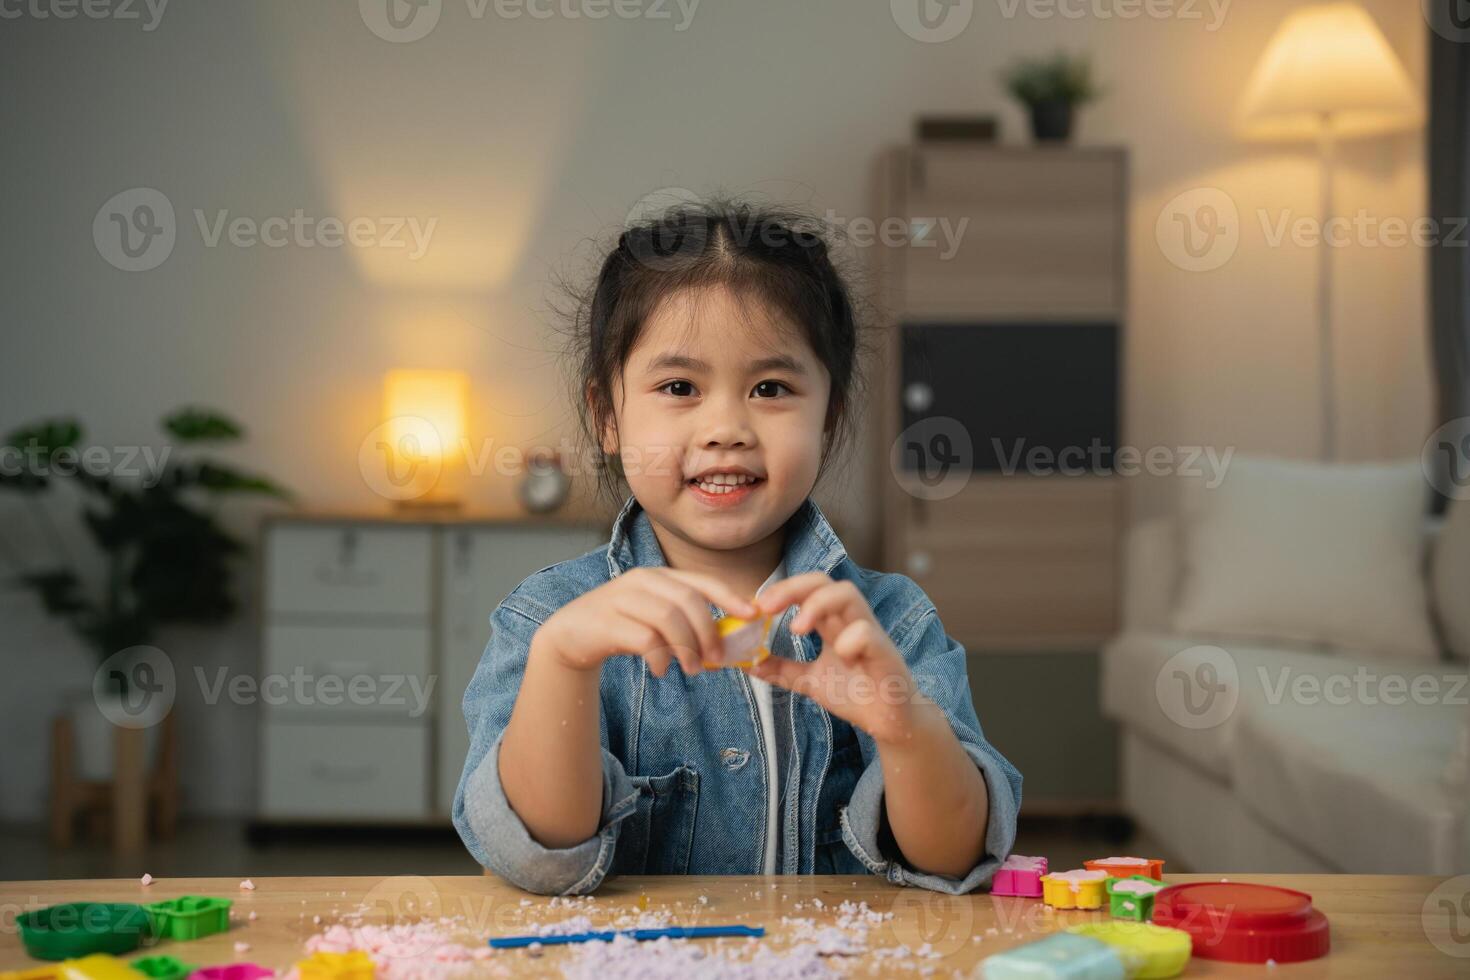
(770, 389)
(679, 389)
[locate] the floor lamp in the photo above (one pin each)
(1328, 74)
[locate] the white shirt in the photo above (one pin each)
(762, 691)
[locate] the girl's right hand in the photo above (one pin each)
(660, 614)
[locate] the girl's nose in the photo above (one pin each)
(727, 427)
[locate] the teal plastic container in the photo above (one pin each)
(1060, 956)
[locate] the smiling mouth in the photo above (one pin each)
(719, 484)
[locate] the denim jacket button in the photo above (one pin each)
(734, 758)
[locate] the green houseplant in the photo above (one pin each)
(1051, 88)
(165, 558)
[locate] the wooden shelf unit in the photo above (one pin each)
(1013, 562)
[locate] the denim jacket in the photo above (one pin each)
(684, 774)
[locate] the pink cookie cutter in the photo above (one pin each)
(1019, 877)
(232, 971)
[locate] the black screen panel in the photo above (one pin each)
(1047, 385)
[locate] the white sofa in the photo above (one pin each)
(1277, 779)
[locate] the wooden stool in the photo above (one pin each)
(125, 802)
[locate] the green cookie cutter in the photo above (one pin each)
(190, 917)
(163, 967)
(1132, 905)
(76, 929)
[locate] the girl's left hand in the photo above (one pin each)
(859, 676)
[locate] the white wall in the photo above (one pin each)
(523, 137)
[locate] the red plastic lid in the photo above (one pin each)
(1244, 923)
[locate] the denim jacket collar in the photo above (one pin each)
(811, 544)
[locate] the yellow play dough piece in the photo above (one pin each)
(744, 639)
(355, 965)
(1162, 952)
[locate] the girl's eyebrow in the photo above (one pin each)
(779, 362)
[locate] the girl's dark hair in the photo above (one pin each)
(780, 256)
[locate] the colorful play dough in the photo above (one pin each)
(1157, 952)
(354, 965)
(1077, 889)
(1019, 876)
(744, 641)
(1123, 867)
(1132, 898)
(1060, 956)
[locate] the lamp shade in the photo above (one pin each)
(1328, 66)
(425, 412)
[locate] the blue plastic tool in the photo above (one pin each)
(673, 932)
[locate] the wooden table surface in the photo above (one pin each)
(1382, 926)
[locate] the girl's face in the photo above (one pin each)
(720, 419)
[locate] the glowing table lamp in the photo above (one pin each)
(424, 427)
(1327, 74)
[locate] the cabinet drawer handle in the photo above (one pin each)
(343, 774)
(351, 578)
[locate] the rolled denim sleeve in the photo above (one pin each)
(487, 823)
(937, 663)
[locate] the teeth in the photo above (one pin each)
(723, 482)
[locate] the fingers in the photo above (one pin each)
(671, 622)
(635, 636)
(694, 618)
(782, 672)
(838, 602)
(855, 640)
(781, 594)
(714, 590)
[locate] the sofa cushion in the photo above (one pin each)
(1187, 695)
(1308, 553)
(1360, 784)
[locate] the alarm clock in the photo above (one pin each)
(546, 485)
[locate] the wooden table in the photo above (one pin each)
(1382, 926)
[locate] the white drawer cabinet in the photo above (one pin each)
(372, 631)
(346, 771)
(349, 569)
(480, 567)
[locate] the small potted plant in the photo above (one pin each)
(163, 555)
(1051, 88)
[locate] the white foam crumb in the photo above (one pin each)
(252, 916)
(316, 919)
(242, 947)
(146, 880)
(247, 885)
(704, 900)
(1271, 964)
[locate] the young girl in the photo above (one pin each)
(717, 356)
